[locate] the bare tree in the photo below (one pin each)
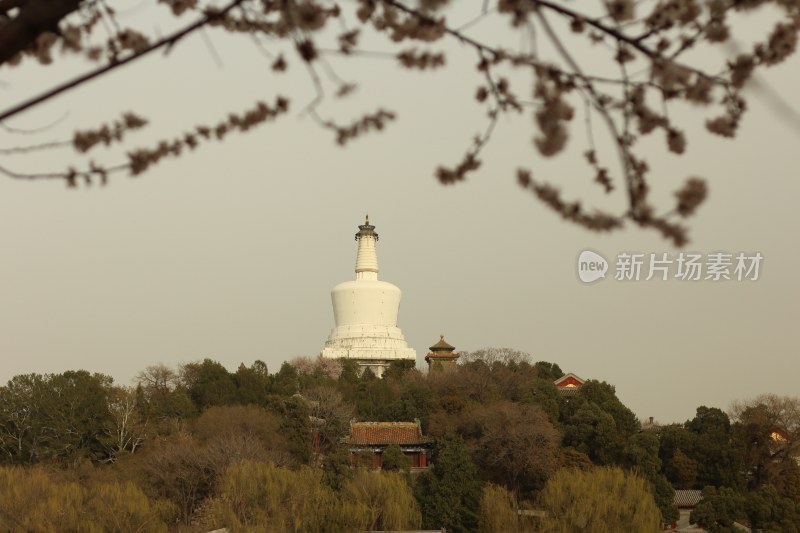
(513, 444)
(19, 402)
(162, 398)
(238, 432)
(650, 65)
(782, 413)
(128, 428)
(496, 355)
(157, 380)
(304, 364)
(330, 414)
(771, 435)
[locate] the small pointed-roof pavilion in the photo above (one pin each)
(442, 354)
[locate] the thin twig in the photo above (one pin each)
(35, 131)
(211, 49)
(612, 127)
(483, 15)
(619, 36)
(34, 148)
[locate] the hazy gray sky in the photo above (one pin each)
(231, 253)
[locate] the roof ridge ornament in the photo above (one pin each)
(366, 230)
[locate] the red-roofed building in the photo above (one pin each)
(372, 438)
(568, 384)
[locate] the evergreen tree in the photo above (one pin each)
(449, 493)
(209, 383)
(548, 371)
(398, 368)
(641, 455)
(395, 460)
(252, 384)
(293, 413)
(715, 448)
(598, 424)
(337, 468)
(765, 509)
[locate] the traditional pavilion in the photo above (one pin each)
(368, 440)
(441, 355)
(365, 312)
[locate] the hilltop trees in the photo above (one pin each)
(597, 423)
(194, 449)
(56, 417)
(252, 383)
(209, 383)
(703, 451)
(716, 449)
(162, 398)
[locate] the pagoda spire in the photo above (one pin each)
(367, 257)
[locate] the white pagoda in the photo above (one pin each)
(365, 312)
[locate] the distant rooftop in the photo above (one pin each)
(386, 433)
(687, 498)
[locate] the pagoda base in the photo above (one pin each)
(370, 346)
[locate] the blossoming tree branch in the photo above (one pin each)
(648, 42)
